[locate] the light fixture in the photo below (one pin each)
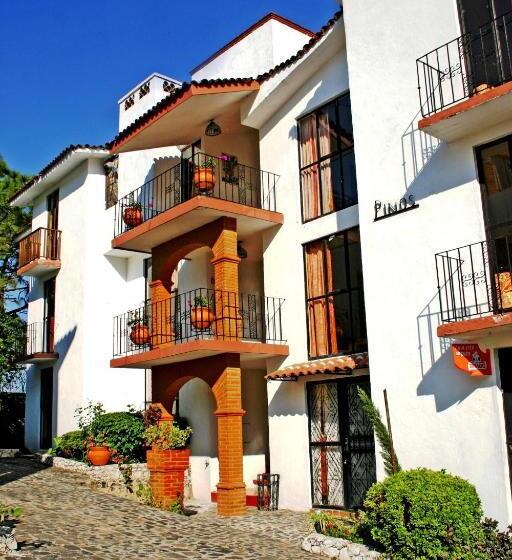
(212, 129)
(240, 250)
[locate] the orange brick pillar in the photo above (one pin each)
(161, 314)
(227, 302)
(228, 393)
(167, 468)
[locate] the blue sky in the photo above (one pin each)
(66, 63)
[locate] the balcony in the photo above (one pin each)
(38, 343)
(198, 324)
(465, 85)
(475, 289)
(191, 194)
(39, 252)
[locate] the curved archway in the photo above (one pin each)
(222, 373)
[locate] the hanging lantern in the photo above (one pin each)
(212, 129)
(240, 250)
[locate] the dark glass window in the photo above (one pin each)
(326, 159)
(334, 295)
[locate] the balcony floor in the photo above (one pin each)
(191, 215)
(250, 353)
(39, 358)
(477, 328)
(39, 267)
(467, 117)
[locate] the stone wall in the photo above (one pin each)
(337, 548)
(108, 477)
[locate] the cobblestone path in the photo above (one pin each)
(63, 518)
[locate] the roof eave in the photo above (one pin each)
(45, 180)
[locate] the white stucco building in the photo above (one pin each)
(344, 231)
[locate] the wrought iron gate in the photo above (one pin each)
(341, 443)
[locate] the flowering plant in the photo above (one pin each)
(167, 435)
(229, 164)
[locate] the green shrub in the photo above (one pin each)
(70, 445)
(496, 545)
(168, 436)
(123, 432)
(423, 514)
(333, 526)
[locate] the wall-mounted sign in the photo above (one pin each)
(387, 209)
(471, 359)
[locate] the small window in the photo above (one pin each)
(129, 102)
(334, 295)
(111, 183)
(326, 159)
(144, 90)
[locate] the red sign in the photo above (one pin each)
(471, 359)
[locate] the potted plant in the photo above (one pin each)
(139, 331)
(98, 452)
(229, 167)
(132, 214)
(201, 314)
(167, 461)
(204, 175)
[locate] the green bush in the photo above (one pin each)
(423, 514)
(123, 432)
(497, 545)
(70, 445)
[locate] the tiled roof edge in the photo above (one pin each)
(55, 161)
(166, 101)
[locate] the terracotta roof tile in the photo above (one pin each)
(336, 364)
(179, 92)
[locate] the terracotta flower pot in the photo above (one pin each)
(99, 455)
(139, 335)
(132, 216)
(204, 179)
(201, 318)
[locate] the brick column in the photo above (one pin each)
(167, 474)
(227, 303)
(167, 468)
(161, 314)
(228, 393)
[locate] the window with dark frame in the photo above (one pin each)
(335, 310)
(326, 159)
(111, 182)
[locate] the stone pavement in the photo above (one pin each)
(63, 518)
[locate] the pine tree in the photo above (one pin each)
(13, 290)
(391, 464)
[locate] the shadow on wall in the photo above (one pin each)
(428, 163)
(288, 400)
(440, 378)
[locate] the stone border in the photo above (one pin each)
(338, 548)
(108, 477)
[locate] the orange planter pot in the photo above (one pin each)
(204, 179)
(201, 318)
(132, 216)
(99, 455)
(139, 335)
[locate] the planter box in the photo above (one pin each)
(167, 474)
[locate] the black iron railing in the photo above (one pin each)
(200, 175)
(198, 314)
(466, 66)
(475, 280)
(41, 243)
(38, 338)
